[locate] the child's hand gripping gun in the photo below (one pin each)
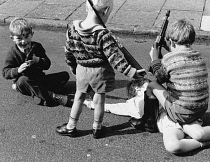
(131, 60)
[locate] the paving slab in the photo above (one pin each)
(142, 5)
(193, 16)
(65, 2)
(52, 11)
(78, 14)
(18, 7)
(128, 16)
(184, 5)
(207, 8)
(124, 17)
(205, 25)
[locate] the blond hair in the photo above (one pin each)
(181, 32)
(18, 26)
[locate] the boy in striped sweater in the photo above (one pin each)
(185, 98)
(92, 55)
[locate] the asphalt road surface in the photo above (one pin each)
(27, 131)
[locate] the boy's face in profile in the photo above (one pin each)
(23, 41)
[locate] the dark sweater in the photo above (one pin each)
(15, 58)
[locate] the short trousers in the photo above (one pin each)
(163, 122)
(180, 118)
(100, 79)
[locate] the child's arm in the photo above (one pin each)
(69, 57)
(39, 57)
(156, 66)
(116, 60)
(11, 66)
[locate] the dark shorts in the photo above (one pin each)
(181, 118)
(100, 79)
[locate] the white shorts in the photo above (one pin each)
(163, 122)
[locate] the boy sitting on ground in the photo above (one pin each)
(186, 96)
(25, 63)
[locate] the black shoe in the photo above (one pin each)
(61, 99)
(58, 99)
(98, 133)
(63, 131)
(38, 101)
(151, 126)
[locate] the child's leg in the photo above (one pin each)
(76, 109)
(56, 81)
(159, 91)
(174, 141)
(124, 109)
(98, 101)
(197, 132)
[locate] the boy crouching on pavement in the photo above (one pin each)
(24, 64)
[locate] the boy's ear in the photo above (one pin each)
(102, 10)
(106, 10)
(172, 43)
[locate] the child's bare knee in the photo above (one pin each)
(173, 147)
(198, 135)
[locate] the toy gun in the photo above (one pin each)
(131, 60)
(161, 38)
(29, 55)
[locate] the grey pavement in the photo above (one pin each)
(143, 17)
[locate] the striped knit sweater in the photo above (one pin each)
(93, 47)
(185, 75)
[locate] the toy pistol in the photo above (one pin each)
(30, 54)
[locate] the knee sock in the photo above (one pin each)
(72, 123)
(97, 124)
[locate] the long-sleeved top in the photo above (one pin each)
(185, 75)
(93, 47)
(15, 58)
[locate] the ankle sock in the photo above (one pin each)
(97, 124)
(72, 123)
